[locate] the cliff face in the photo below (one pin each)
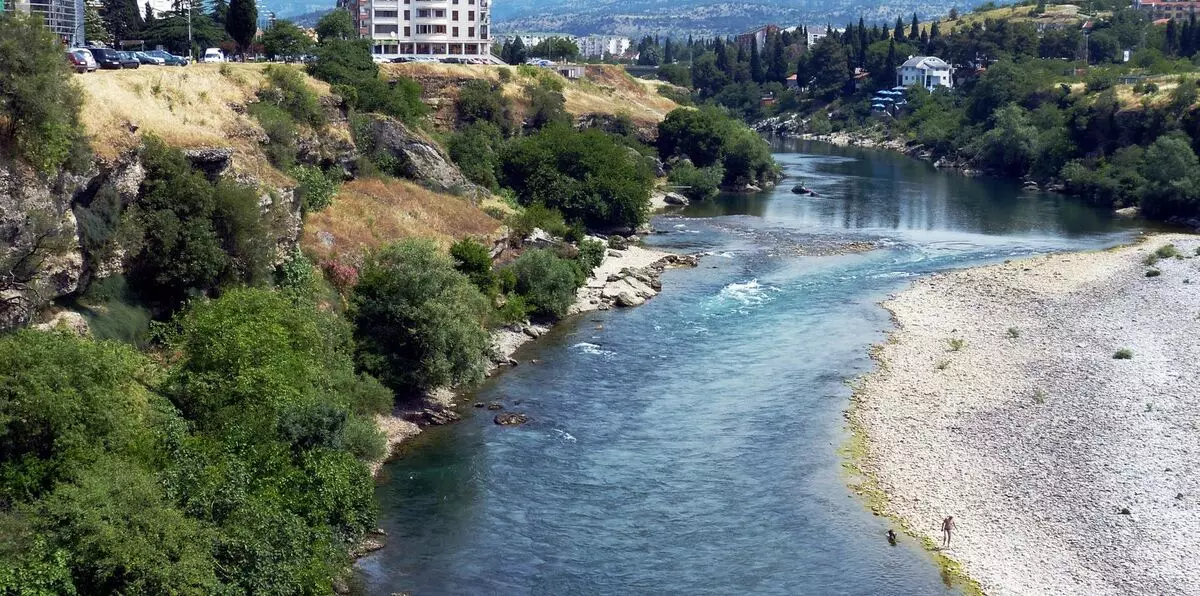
(43, 255)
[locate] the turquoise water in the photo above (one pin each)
(690, 446)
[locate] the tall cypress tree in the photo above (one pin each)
(123, 18)
(915, 32)
(242, 23)
(898, 34)
(934, 31)
(756, 67)
(779, 66)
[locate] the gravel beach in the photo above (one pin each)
(1068, 471)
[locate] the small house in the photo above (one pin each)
(927, 71)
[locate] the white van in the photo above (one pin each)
(213, 55)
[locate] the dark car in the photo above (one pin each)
(168, 58)
(107, 58)
(128, 60)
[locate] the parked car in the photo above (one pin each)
(213, 55)
(401, 60)
(128, 60)
(107, 58)
(146, 58)
(81, 60)
(168, 58)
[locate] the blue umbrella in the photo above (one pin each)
(899, 88)
(878, 106)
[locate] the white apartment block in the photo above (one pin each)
(599, 46)
(426, 28)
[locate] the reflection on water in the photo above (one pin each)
(691, 445)
(863, 189)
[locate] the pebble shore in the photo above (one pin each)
(998, 400)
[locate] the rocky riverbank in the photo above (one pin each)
(1052, 406)
(628, 276)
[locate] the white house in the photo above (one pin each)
(597, 46)
(926, 71)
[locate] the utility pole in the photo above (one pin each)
(189, 21)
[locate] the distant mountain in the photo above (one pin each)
(700, 17)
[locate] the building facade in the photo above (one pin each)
(599, 46)
(425, 28)
(63, 17)
(757, 36)
(1168, 9)
(927, 71)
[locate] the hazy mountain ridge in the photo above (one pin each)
(697, 17)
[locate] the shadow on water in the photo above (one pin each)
(691, 445)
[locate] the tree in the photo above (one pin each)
(242, 22)
(122, 18)
(953, 14)
(546, 282)
(219, 12)
(475, 150)
(832, 66)
(149, 20)
(417, 320)
(757, 74)
(586, 175)
(1172, 172)
(482, 101)
(39, 102)
(518, 54)
(898, 32)
(914, 32)
(699, 135)
(286, 40)
(93, 26)
(337, 24)
(1010, 146)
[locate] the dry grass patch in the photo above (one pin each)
(370, 213)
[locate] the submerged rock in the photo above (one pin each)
(495, 406)
(510, 419)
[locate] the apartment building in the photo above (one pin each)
(63, 17)
(599, 46)
(1168, 9)
(425, 28)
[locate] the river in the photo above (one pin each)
(691, 445)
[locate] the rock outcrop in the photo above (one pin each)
(420, 158)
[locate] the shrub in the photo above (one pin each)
(1153, 272)
(475, 149)
(585, 175)
(547, 106)
(546, 282)
(698, 184)
(285, 87)
(473, 260)
(417, 320)
(505, 74)
(39, 101)
(316, 188)
(591, 254)
(1167, 251)
(297, 274)
(1123, 354)
(481, 101)
(536, 216)
(347, 64)
(280, 131)
(956, 344)
(1013, 333)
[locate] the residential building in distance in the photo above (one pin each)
(1168, 9)
(425, 28)
(927, 71)
(63, 17)
(599, 46)
(816, 34)
(759, 35)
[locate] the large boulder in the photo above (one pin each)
(419, 157)
(40, 256)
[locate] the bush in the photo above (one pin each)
(281, 133)
(585, 175)
(418, 322)
(481, 101)
(709, 138)
(347, 64)
(547, 106)
(39, 101)
(285, 87)
(473, 260)
(1167, 251)
(475, 149)
(316, 189)
(1123, 354)
(699, 183)
(536, 216)
(591, 254)
(546, 282)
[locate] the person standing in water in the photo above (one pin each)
(947, 526)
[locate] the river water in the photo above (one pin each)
(691, 445)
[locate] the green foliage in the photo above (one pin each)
(347, 65)
(481, 101)
(476, 151)
(473, 260)
(709, 138)
(1010, 146)
(280, 130)
(39, 102)
(547, 106)
(545, 281)
(335, 25)
(242, 22)
(1172, 172)
(316, 188)
(297, 275)
(591, 254)
(522, 223)
(285, 40)
(285, 87)
(585, 175)
(699, 184)
(417, 320)
(1123, 354)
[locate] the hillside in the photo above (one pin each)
(697, 17)
(604, 90)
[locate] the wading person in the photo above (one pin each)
(947, 527)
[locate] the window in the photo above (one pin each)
(454, 31)
(385, 29)
(470, 32)
(431, 29)
(470, 15)
(407, 32)
(406, 16)
(386, 14)
(454, 15)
